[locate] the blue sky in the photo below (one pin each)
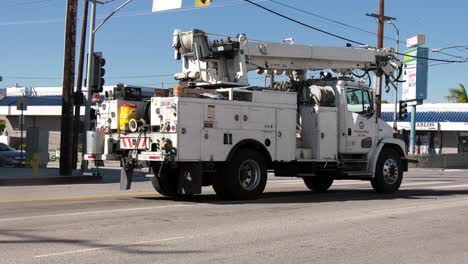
(138, 43)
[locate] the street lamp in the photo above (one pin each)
(92, 32)
(397, 49)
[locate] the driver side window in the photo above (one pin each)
(358, 101)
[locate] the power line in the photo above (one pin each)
(303, 24)
(332, 20)
(127, 14)
(338, 36)
(140, 76)
(427, 58)
(109, 77)
(30, 3)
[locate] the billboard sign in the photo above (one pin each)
(415, 69)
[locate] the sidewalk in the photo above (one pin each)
(24, 176)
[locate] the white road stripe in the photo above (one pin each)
(353, 182)
(404, 184)
(440, 205)
(450, 186)
(108, 247)
(96, 212)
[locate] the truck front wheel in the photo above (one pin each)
(388, 172)
(244, 177)
(318, 184)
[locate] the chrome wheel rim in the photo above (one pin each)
(390, 171)
(249, 175)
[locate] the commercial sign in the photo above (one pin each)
(415, 69)
(427, 126)
(420, 126)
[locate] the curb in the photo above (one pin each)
(49, 180)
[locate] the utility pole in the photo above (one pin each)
(381, 19)
(79, 84)
(66, 138)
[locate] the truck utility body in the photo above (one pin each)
(217, 130)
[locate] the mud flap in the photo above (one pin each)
(190, 178)
(126, 175)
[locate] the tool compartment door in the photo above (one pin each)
(189, 125)
(285, 134)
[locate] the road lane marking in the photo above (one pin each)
(404, 184)
(451, 186)
(64, 198)
(97, 212)
(440, 205)
(110, 247)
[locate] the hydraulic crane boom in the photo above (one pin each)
(227, 61)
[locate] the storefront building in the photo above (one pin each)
(440, 128)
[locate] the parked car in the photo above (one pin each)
(10, 157)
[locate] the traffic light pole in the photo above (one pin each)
(92, 32)
(413, 129)
(89, 70)
(79, 84)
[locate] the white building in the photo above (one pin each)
(440, 128)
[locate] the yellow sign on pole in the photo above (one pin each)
(201, 3)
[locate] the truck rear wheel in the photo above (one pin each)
(388, 172)
(165, 182)
(318, 184)
(244, 177)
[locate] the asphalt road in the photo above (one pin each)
(426, 222)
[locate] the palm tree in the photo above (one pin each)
(457, 95)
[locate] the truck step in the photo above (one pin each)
(358, 174)
(354, 161)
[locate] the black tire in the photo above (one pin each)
(166, 183)
(243, 178)
(388, 172)
(318, 184)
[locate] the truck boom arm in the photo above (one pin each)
(227, 61)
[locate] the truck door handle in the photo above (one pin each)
(349, 131)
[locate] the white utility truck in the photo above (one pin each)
(215, 129)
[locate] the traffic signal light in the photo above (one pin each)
(403, 111)
(98, 72)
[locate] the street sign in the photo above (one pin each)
(163, 5)
(415, 69)
(21, 104)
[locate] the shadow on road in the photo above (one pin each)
(310, 197)
(27, 237)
